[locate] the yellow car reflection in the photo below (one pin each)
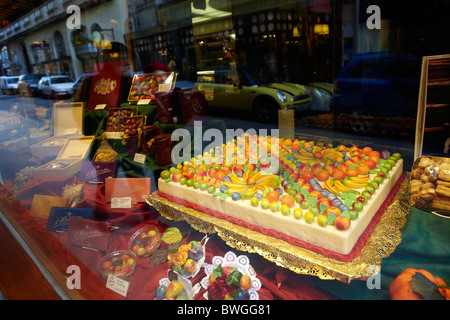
(251, 88)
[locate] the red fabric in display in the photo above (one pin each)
(328, 253)
(55, 250)
(277, 282)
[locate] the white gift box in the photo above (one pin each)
(69, 161)
(67, 122)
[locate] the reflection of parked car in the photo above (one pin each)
(8, 84)
(56, 86)
(80, 79)
(374, 86)
(81, 87)
(28, 84)
(251, 88)
(322, 96)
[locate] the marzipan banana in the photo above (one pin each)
(329, 185)
(354, 184)
(342, 188)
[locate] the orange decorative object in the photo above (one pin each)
(177, 258)
(401, 288)
(185, 247)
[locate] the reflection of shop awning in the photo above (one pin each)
(40, 45)
(90, 51)
(210, 20)
(208, 14)
(86, 51)
(219, 25)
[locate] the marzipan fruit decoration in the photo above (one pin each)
(418, 284)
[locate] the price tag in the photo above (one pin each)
(100, 106)
(144, 102)
(72, 131)
(139, 157)
(117, 285)
(114, 135)
(121, 203)
(164, 87)
(286, 123)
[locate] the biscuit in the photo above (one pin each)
(427, 185)
(416, 173)
(417, 201)
(427, 194)
(425, 162)
(426, 178)
(443, 191)
(441, 203)
(415, 186)
(444, 175)
(443, 183)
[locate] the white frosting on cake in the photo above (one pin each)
(327, 237)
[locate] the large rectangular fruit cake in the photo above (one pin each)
(321, 198)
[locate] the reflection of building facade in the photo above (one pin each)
(160, 30)
(205, 34)
(301, 41)
(41, 42)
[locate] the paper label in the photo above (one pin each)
(114, 135)
(117, 285)
(42, 204)
(87, 233)
(286, 123)
(121, 203)
(58, 219)
(164, 87)
(143, 102)
(139, 157)
(100, 106)
(72, 131)
(136, 188)
(97, 172)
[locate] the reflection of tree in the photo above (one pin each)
(79, 37)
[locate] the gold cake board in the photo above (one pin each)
(382, 242)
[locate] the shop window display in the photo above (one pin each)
(241, 150)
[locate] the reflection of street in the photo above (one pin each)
(6, 102)
(24, 118)
(23, 122)
(317, 126)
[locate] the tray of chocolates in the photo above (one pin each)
(116, 115)
(145, 86)
(131, 125)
